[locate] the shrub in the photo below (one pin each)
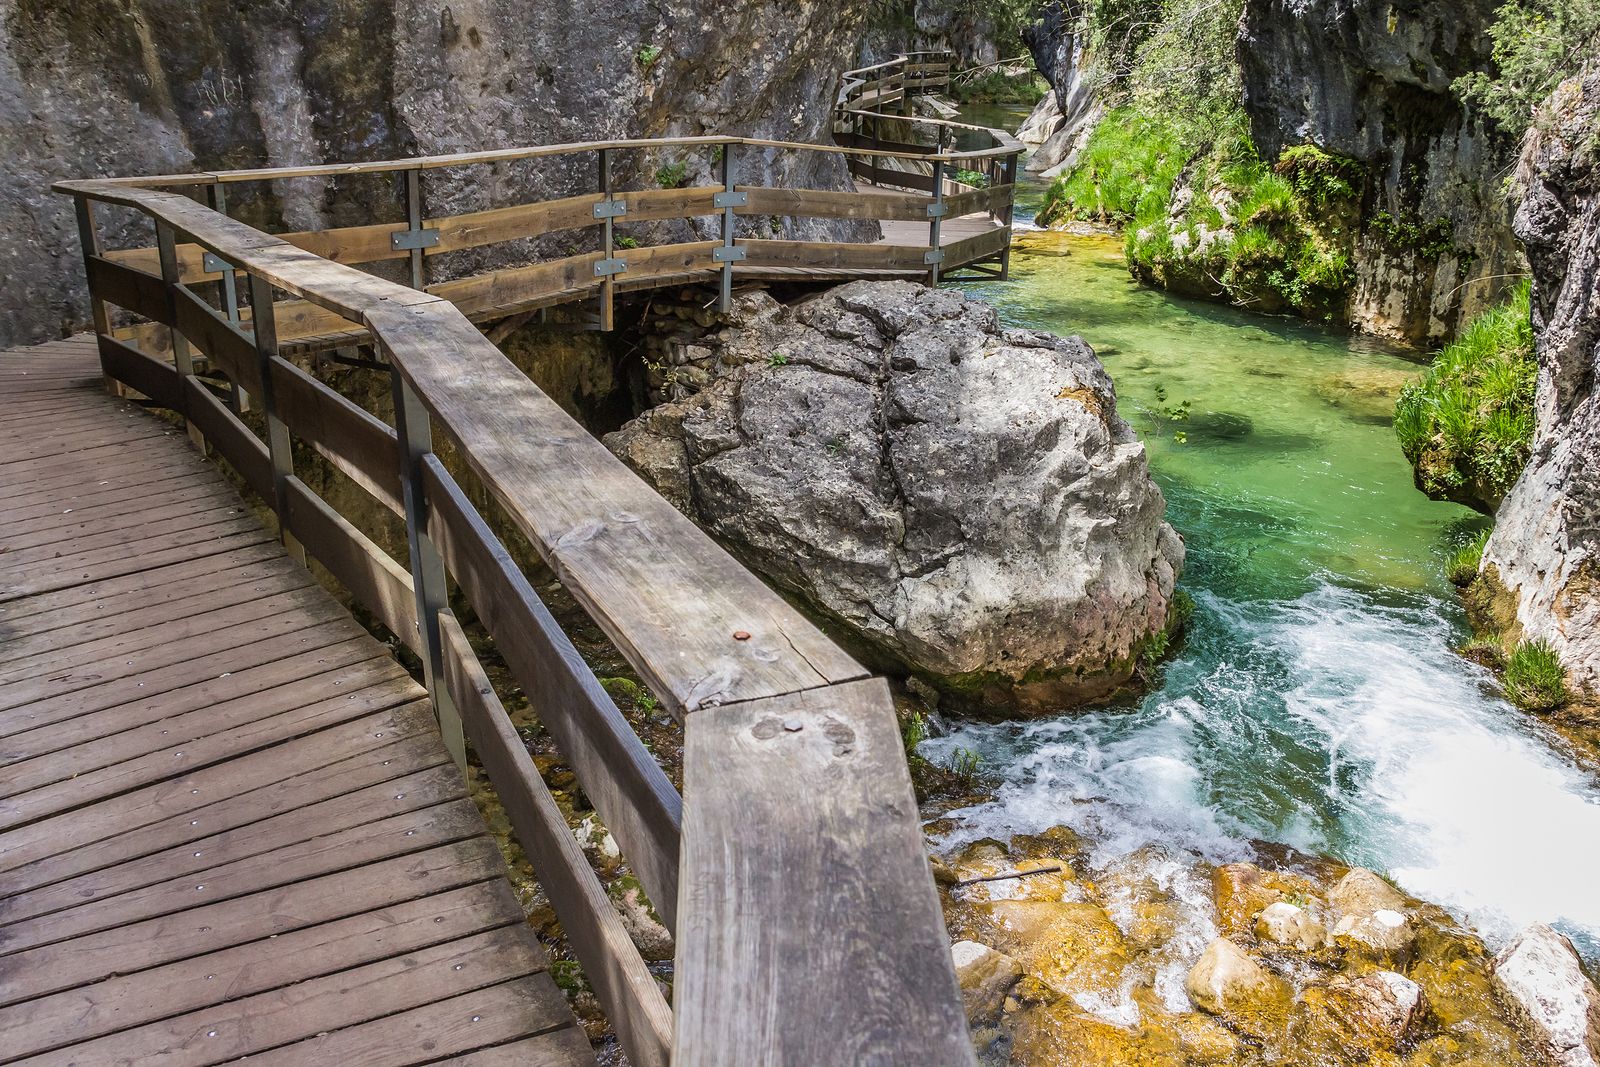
(1537, 44)
(1467, 424)
(975, 178)
(1534, 679)
(647, 55)
(1462, 565)
(672, 175)
(1129, 163)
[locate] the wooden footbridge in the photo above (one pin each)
(231, 824)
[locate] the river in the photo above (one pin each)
(1316, 702)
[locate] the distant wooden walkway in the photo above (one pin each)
(228, 825)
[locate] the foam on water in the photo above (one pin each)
(1330, 722)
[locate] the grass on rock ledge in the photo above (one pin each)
(1467, 424)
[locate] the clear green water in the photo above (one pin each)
(1316, 702)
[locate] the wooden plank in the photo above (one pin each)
(84, 729)
(158, 381)
(256, 1023)
(198, 858)
(25, 549)
(479, 228)
(88, 600)
(367, 766)
(991, 200)
(121, 501)
(646, 205)
(372, 576)
(232, 439)
(559, 1048)
(209, 331)
(69, 569)
(140, 292)
(809, 989)
(125, 1001)
(831, 203)
(517, 284)
(203, 666)
(829, 254)
(356, 442)
(627, 990)
(667, 259)
(79, 666)
(668, 596)
(970, 249)
(213, 927)
(232, 586)
(31, 768)
(201, 752)
(382, 836)
(621, 778)
(497, 1014)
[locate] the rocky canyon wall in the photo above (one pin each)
(113, 87)
(1371, 80)
(1546, 542)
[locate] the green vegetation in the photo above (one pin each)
(1467, 424)
(672, 175)
(1536, 44)
(997, 86)
(975, 178)
(1174, 167)
(933, 779)
(646, 56)
(1462, 565)
(1161, 643)
(626, 242)
(1534, 679)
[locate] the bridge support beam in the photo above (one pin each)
(415, 432)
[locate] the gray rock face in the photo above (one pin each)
(1064, 118)
(1546, 541)
(1538, 976)
(964, 499)
(109, 87)
(1371, 81)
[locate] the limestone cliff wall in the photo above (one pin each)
(1546, 541)
(1371, 80)
(110, 87)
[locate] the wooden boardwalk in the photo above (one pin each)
(228, 825)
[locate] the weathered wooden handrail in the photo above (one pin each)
(792, 870)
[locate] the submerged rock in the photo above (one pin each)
(1348, 1019)
(1227, 982)
(964, 499)
(1292, 926)
(986, 978)
(1539, 976)
(1546, 543)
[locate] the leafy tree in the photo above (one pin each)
(1536, 45)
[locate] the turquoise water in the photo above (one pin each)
(1316, 701)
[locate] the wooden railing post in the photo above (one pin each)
(414, 430)
(172, 277)
(89, 238)
(1006, 217)
(217, 195)
(935, 254)
(728, 254)
(606, 268)
(265, 328)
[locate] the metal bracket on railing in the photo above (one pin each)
(932, 256)
(725, 254)
(935, 255)
(730, 199)
(406, 240)
(611, 209)
(937, 211)
(212, 263)
(605, 268)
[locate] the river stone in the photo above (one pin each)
(986, 978)
(1361, 892)
(1289, 925)
(1540, 979)
(962, 499)
(1349, 1019)
(1227, 982)
(1546, 543)
(1243, 890)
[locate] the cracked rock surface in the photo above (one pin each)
(961, 499)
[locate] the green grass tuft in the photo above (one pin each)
(1534, 679)
(1467, 424)
(1462, 565)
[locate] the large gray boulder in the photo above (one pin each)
(962, 498)
(1546, 542)
(1540, 979)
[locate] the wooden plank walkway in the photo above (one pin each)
(228, 826)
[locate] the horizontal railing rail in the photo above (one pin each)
(791, 871)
